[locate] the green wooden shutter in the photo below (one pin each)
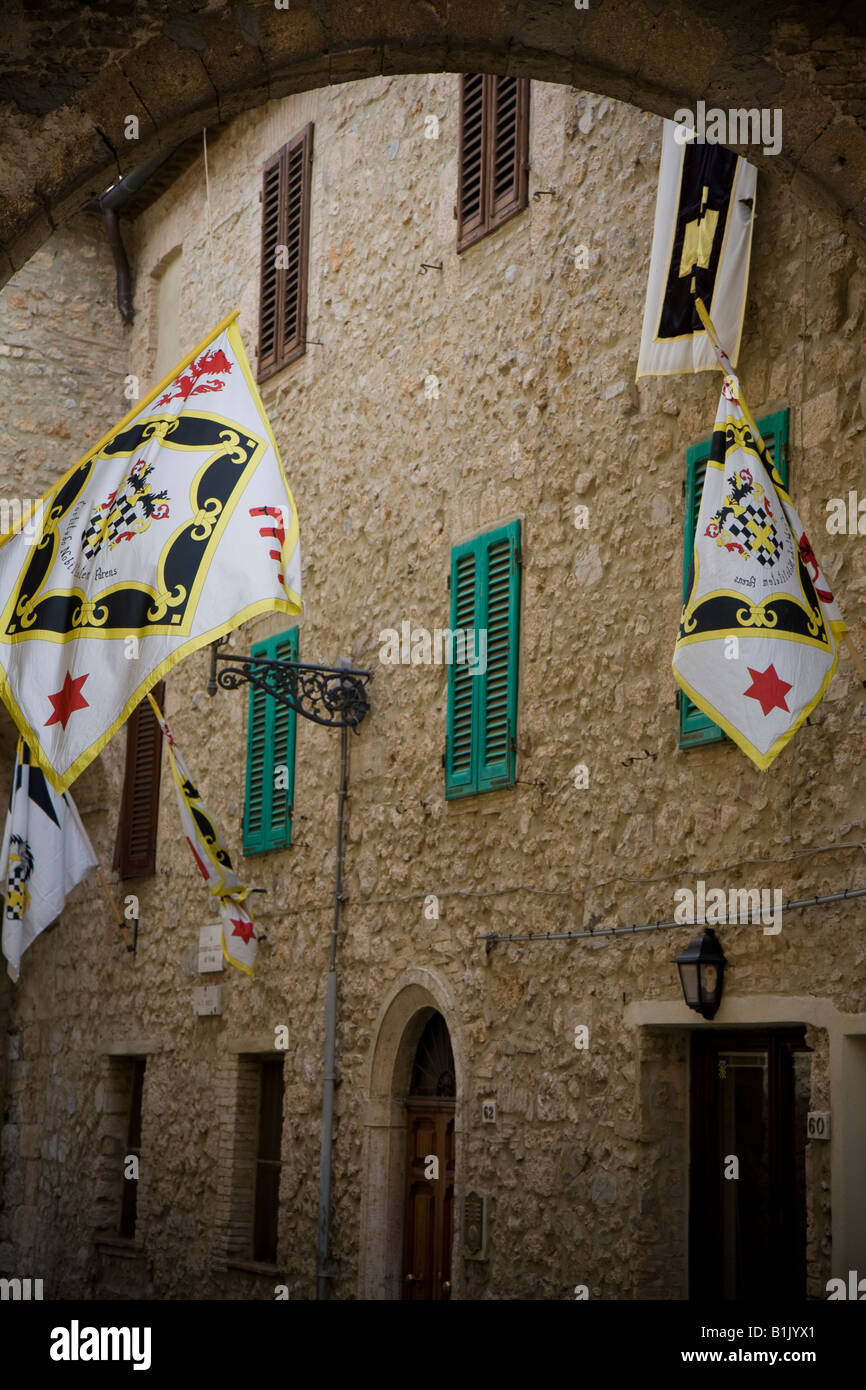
(461, 719)
(271, 733)
(482, 709)
(696, 728)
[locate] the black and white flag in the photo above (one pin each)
(701, 247)
(45, 852)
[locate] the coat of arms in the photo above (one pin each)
(20, 869)
(744, 522)
(126, 512)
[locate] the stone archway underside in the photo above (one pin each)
(70, 76)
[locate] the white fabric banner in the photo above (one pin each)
(208, 848)
(757, 646)
(45, 852)
(176, 528)
(701, 247)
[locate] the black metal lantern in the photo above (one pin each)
(702, 969)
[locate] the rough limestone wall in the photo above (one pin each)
(63, 354)
(537, 410)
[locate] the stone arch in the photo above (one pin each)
(70, 82)
(414, 997)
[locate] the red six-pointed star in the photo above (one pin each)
(242, 928)
(67, 700)
(769, 689)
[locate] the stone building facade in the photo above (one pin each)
(571, 1164)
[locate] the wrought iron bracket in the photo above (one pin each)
(122, 926)
(335, 696)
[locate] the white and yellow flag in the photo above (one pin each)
(208, 849)
(757, 644)
(177, 527)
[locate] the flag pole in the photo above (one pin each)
(112, 903)
(724, 358)
(855, 657)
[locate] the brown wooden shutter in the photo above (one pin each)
(470, 186)
(266, 1211)
(508, 147)
(135, 847)
(270, 239)
(493, 161)
(286, 186)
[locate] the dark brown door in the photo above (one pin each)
(429, 1200)
(747, 1219)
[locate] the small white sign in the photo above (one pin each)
(210, 951)
(818, 1124)
(207, 1000)
(488, 1112)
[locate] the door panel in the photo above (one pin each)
(749, 1097)
(421, 1241)
(429, 1202)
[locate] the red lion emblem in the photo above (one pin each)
(277, 531)
(189, 383)
(807, 555)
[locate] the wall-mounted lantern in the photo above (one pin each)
(702, 969)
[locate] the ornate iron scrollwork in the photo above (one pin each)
(331, 695)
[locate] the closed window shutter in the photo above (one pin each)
(286, 189)
(470, 187)
(268, 329)
(285, 727)
(460, 734)
(509, 147)
(266, 1203)
(482, 708)
(135, 846)
(271, 737)
(297, 177)
(498, 693)
(494, 154)
(254, 804)
(697, 728)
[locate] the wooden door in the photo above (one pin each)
(429, 1206)
(747, 1221)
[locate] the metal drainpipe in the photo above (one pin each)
(323, 1275)
(121, 264)
(108, 204)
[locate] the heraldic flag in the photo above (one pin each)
(46, 851)
(756, 648)
(239, 941)
(701, 247)
(177, 527)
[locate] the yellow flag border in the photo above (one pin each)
(837, 626)
(130, 415)
(761, 760)
(238, 964)
(242, 891)
(290, 605)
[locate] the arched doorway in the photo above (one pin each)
(428, 1214)
(417, 1084)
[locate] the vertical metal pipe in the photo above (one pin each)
(121, 264)
(323, 1274)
